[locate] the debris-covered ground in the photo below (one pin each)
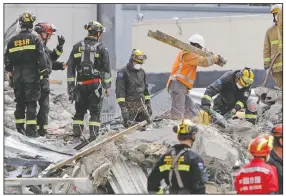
(130, 158)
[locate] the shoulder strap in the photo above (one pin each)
(89, 55)
(174, 167)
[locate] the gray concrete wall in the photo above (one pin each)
(126, 14)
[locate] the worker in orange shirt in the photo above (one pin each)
(183, 76)
(258, 177)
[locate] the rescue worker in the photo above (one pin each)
(183, 76)
(181, 168)
(234, 90)
(272, 46)
(25, 63)
(276, 155)
(132, 92)
(89, 61)
(257, 177)
(45, 31)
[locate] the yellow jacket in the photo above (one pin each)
(272, 46)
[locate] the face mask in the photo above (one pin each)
(137, 66)
(238, 86)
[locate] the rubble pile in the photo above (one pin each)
(223, 150)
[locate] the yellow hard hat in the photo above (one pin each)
(246, 77)
(185, 130)
(138, 56)
(276, 8)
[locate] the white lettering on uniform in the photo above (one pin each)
(257, 179)
(245, 180)
(251, 181)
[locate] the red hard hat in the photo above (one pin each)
(277, 131)
(45, 28)
(261, 146)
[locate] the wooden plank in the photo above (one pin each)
(167, 39)
(97, 146)
(59, 82)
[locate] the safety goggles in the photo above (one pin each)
(140, 58)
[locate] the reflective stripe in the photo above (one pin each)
(240, 104)
(267, 59)
(45, 127)
(259, 146)
(70, 79)
(77, 55)
(183, 77)
(94, 123)
(181, 167)
(38, 127)
(29, 47)
(43, 70)
(96, 55)
(254, 169)
(31, 122)
(277, 65)
(207, 97)
(250, 116)
(120, 100)
(107, 80)
(274, 42)
(58, 52)
(20, 121)
(77, 122)
(148, 97)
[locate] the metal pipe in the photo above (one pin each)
(138, 11)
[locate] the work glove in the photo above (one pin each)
(58, 65)
(61, 40)
(125, 116)
(149, 109)
(221, 60)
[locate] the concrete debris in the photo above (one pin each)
(269, 96)
(121, 166)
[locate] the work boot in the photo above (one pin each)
(42, 131)
(21, 131)
(31, 131)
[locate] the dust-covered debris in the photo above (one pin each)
(223, 150)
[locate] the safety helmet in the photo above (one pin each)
(275, 8)
(197, 39)
(277, 131)
(246, 77)
(185, 130)
(138, 56)
(94, 27)
(44, 27)
(26, 20)
(261, 146)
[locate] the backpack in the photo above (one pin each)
(88, 56)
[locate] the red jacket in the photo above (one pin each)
(256, 177)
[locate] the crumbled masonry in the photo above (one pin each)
(223, 150)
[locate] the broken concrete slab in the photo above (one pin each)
(269, 96)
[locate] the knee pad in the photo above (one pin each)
(251, 105)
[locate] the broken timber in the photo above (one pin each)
(59, 82)
(96, 146)
(167, 39)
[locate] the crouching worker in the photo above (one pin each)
(258, 177)
(132, 92)
(181, 168)
(233, 90)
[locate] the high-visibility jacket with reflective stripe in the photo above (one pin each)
(256, 177)
(190, 167)
(25, 52)
(184, 72)
(272, 46)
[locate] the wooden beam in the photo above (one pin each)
(59, 82)
(167, 39)
(96, 146)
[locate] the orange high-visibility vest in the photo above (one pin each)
(183, 72)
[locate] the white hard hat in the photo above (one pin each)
(275, 8)
(198, 39)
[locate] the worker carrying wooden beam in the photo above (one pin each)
(183, 76)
